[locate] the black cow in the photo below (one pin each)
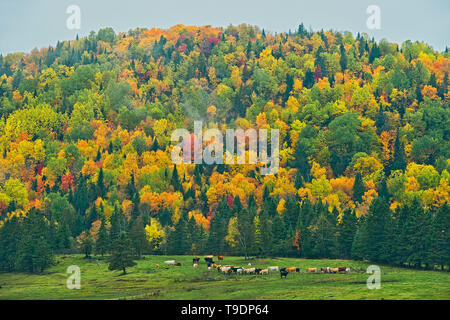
(297, 269)
(257, 271)
(282, 269)
(283, 274)
(209, 260)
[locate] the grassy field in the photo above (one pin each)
(146, 281)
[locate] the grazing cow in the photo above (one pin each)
(264, 271)
(220, 257)
(283, 269)
(249, 270)
(195, 260)
(195, 265)
(334, 270)
(209, 259)
(169, 262)
(325, 270)
(275, 268)
(283, 274)
(342, 269)
(291, 269)
(311, 269)
(177, 264)
(226, 269)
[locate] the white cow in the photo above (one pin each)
(275, 268)
(169, 262)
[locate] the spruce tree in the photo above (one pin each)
(439, 249)
(358, 188)
(121, 257)
(103, 242)
(346, 233)
(399, 158)
(137, 236)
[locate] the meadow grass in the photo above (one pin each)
(146, 281)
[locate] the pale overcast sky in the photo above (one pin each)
(25, 25)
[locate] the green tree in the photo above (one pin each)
(358, 188)
(122, 255)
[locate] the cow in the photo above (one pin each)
(275, 268)
(342, 269)
(291, 269)
(209, 268)
(283, 269)
(226, 270)
(195, 265)
(249, 264)
(177, 264)
(240, 271)
(249, 270)
(311, 269)
(325, 270)
(283, 274)
(264, 271)
(214, 266)
(169, 262)
(220, 257)
(257, 270)
(209, 259)
(297, 269)
(195, 260)
(347, 270)
(334, 270)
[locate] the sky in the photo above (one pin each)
(25, 25)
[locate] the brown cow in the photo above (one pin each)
(177, 264)
(325, 270)
(220, 257)
(311, 269)
(264, 271)
(214, 266)
(342, 269)
(334, 270)
(292, 269)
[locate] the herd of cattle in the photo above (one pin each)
(229, 269)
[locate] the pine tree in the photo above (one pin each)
(137, 236)
(246, 229)
(103, 242)
(378, 229)
(121, 257)
(346, 233)
(177, 240)
(10, 235)
(358, 188)
(399, 158)
(175, 182)
(323, 236)
(101, 184)
(439, 249)
(34, 252)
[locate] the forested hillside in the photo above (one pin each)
(85, 147)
